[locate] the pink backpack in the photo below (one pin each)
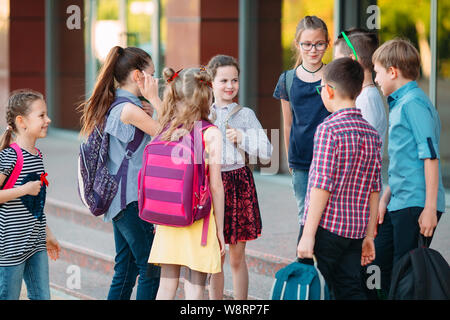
(173, 183)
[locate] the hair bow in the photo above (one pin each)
(176, 74)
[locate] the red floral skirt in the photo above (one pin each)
(242, 219)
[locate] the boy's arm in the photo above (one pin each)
(368, 245)
(384, 201)
(317, 204)
(428, 217)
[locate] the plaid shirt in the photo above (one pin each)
(347, 163)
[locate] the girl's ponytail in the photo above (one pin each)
(95, 108)
(5, 140)
(118, 65)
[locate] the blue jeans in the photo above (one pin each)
(34, 271)
(300, 185)
(133, 238)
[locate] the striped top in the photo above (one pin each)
(21, 233)
(347, 163)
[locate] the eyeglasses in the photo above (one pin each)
(319, 88)
(349, 44)
(320, 46)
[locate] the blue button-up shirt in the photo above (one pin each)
(414, 134)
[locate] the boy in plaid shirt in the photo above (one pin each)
(341, 204)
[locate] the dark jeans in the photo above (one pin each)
(133, 238)
(339, 261)
(398, 235)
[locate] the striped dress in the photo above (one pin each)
(22, 233)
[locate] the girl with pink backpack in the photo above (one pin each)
(25, 239)
(198, 244)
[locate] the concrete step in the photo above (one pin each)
(88, 242)
(60, 212)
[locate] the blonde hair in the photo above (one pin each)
(19, 103)
(401, 54)
(308, 22)
(187, 99)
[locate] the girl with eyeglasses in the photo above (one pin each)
(302, 108)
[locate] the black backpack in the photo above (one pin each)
(421, 274)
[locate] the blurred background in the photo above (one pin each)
(58, 46)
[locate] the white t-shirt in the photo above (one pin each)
(371, 105)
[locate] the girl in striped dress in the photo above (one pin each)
(25, 240)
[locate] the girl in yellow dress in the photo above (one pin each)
(186, 100)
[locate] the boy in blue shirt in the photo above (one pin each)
(414, 200)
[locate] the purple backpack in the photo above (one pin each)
(97, 187)
(173, 183)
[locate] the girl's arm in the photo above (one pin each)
(32, 188)
(253, 140)
(287, 123)
(213, 141)
(132, 114)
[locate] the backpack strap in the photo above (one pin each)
(289, 80)
(232, 113)
(205, 126)
(132, 146)
(17, 168)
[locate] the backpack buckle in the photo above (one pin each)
(128, 154)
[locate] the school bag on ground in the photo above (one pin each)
(173, 183)
(299, 281)
(421, 274)
(97, 186)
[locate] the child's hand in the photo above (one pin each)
(149, 87)
(427, 222)
(221, 243)
(53, 248)
(32, 188)
(305, 248)
(368, 251)
(382, 208)
(234, 135)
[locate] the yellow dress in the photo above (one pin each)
(182, 246)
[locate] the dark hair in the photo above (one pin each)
(118, 65)
(364, 42)
(308, 22)
(19, 103)
(346, 75)
(221, 60)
